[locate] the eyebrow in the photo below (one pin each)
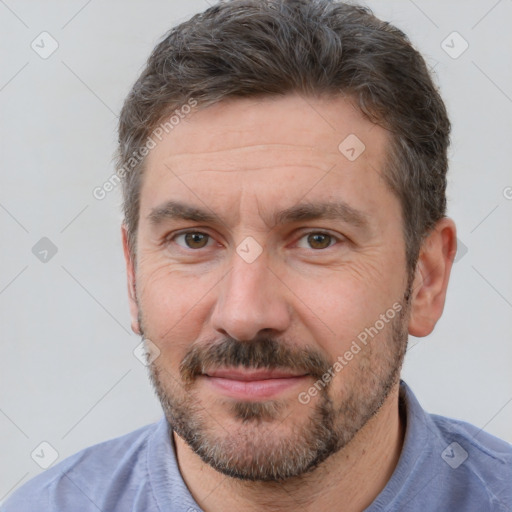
(174, 210)
(339, 210)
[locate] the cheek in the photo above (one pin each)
(338, 304)
(173, 304)
(336, 312)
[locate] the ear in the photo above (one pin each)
(130, 274)
(431, 280)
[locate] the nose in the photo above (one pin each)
(251, 301)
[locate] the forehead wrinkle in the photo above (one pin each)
(238, 159)
(299, 167)
(252, 147)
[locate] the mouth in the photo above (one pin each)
(254, 383)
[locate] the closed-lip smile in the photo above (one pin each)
(252, 374)
(252, 384)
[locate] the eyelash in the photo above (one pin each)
(336, 238)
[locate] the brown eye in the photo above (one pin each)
(319, 240)
(195, 240)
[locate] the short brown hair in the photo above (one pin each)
(243, 48)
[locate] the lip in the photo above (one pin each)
(252, 384)
(251, 375)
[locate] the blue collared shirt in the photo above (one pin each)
(445, 465)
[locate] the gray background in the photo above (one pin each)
(68, 375)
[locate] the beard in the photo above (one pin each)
(264, 440)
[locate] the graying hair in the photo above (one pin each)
(246, 48)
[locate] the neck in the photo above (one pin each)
(348, 480)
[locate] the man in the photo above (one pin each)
(284, 173)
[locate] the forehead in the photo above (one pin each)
(268, 149)
(315, 124)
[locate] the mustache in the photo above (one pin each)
(263, 352)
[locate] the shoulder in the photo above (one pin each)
(91, 474)
(447, 465)
(476, 462)
(485, 452)
(480, 441)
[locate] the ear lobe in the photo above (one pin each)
(131, 281)
(432, 275)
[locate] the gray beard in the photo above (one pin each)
(255, 451)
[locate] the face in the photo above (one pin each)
(271, 276)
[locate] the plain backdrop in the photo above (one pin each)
(68, 374)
